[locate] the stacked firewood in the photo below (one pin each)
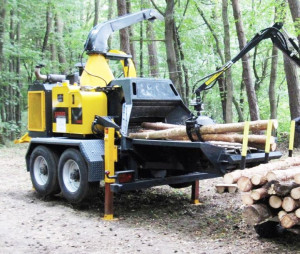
(270, 191)
(231, 133)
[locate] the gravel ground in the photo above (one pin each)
(157, 220)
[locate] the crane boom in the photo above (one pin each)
(279, 38)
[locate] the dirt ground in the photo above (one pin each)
(158, 220)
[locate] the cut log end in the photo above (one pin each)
(275, 202)
(259, 193)
(247, 199)
(297, 178)
(289, 220)
(295, 193)
(257, 179)
(244, 184)
(281, 214)
(256, 213)
(289, 204)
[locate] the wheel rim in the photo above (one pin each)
(40, 170)
(71, 175)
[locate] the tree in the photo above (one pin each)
(96, 16)
(59, 29)
(247, 76)
(228, 76)
(124, 34)
(152, 51)
(291, 70)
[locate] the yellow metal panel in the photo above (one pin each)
(110, 153)
(129, 70)
(36, 111)
(292, 135)
(245, 139)
(73, 99)
(96, 72)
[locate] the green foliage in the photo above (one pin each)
(198, 43)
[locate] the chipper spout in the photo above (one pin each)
(96, 42)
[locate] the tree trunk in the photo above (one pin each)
(2, 32)
(292, 72)
(59, 27)
(292, 79)
(96, 15)
(273, 77)
(152, 51)
(222, 91)
(247, 76)
(169, 42)
(130, 31)
(186, 91)
(124, 34)
(295, 11)
(228, 76)
(275, 202)
(18, 109)
(48, 26)
(109, 16)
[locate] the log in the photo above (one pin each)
(283, 175)
(262, 192)
(262, 169)
(221, 188)
(159, 126)
(289, 204)
(289, 220)
(181, 132)
(162, 134)
(217, 128)
(259, 193)
(256, 213)
(232, 189)
(284, 189)
(297, 212)
(244, 184)
(247, 199)
(297, 178)
(258, 179)
(237, 138)
(275, 202)
(295, 193)
(237, 127)
(281, 214)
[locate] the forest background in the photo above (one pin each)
(195, 39)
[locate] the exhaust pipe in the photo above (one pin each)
(51, 78)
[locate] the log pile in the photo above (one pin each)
(270, 191)
(230, 133)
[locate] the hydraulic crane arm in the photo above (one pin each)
(96, 42)
(280, 40)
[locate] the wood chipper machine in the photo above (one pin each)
(78, 126)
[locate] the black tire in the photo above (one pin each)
(180, 185)
(73, 177)
(269, 229)
(43, 171)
